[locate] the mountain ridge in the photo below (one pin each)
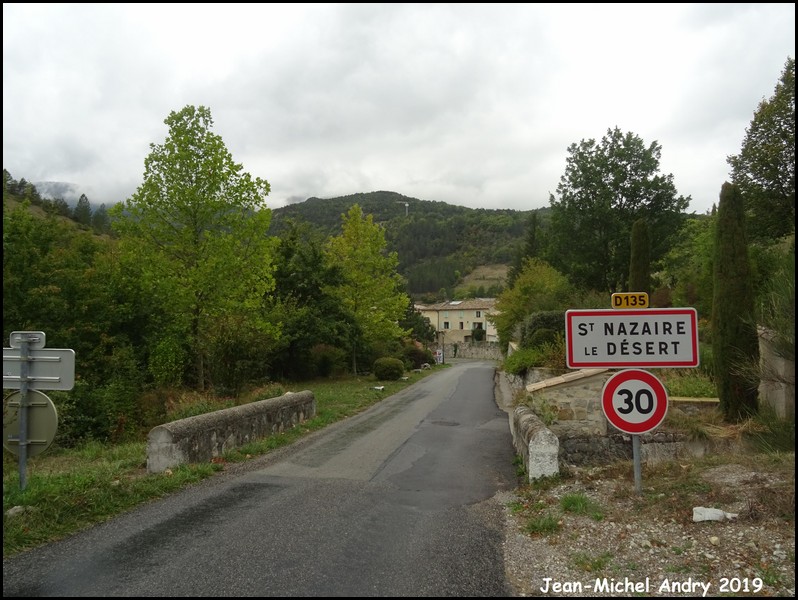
(437, 243)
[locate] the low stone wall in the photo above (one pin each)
(474, 350)
(534, 443)
(571, 405)
(203, 437)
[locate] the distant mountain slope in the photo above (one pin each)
(437, 243)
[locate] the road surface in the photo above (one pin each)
(396, 501)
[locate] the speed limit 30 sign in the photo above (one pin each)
(634, 401)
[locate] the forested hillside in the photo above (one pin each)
(437, 243)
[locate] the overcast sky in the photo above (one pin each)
(470, 104)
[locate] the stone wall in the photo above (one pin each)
(201, 438)
(570, 407)
(475, 350)
(778, 386)
(534, 443)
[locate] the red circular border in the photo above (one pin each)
(661, 396)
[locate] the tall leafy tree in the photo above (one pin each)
(687, 268)
(764, 170)
(538, 287)
(735, 344)
(640, 261)
(371, 289)
(606, 187)
(198, 225)
(303, 303)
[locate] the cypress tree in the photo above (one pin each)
(640, 258)
(734, 338)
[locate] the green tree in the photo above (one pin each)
(370, 289)
(764, 170)
(735, 344)
(687, 267)
(100, 221)
(418, 325)
(539, 287)
(640, 260)
(302, 302)
(82, 212)
(59, 279)
(606, 187)
(198, 225)
(9, 184)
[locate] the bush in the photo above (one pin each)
(388, 369)
(521, 360)
(547, 319)
(549, 355)
(328, 360)
(542, 336)
(415, 356)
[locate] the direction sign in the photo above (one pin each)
(653, 337)
(634, 401)
(48, 369)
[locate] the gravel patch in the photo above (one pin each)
(653, 547)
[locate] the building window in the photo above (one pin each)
(461, 325)
(479, 313)
(462, 314)
(446, 313)
(446, 324)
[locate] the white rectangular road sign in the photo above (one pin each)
(652, 337)
(48, 369)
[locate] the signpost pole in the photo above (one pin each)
(636, 461)
(23, 411)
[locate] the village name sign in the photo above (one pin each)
(652, 337)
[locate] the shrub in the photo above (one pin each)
(328, 360)
(521, 360)
(388, 369)
(549, 355)
(415, 356)
(542, 336)
(547, 319)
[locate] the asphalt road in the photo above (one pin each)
(393, 502)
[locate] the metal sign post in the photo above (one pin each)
(635, 402)
(29, 366)
(23, 412)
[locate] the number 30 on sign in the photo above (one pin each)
(634, 401)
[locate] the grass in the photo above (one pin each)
(543, 524)
(592, 564)
(68, 490)
(687, 383)
(580, 504)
